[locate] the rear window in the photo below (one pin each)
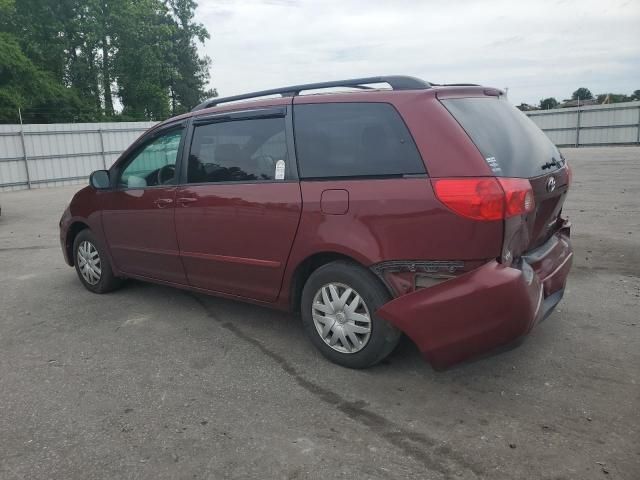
(336, 140)
(510, 142)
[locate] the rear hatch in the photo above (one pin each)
(514, 147)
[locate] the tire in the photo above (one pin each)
(328, 318)
(98, 276)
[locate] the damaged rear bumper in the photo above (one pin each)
(486, 308)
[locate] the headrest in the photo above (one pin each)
(227, 153)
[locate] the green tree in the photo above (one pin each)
(582, 94)
(635, 95)
(191, 72)
(548, 103)
(613, 98)
(82, 70)
(525, 107)
(43, 33)
(143, 51)
(35, 92)
(142, 67)
(106, 34)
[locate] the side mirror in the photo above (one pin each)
(100, 180)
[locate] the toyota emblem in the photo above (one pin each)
(551, 184)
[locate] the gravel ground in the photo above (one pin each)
(155, 383)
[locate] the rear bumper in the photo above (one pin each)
(486, 308)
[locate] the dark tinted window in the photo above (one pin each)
(236, 151)
(353, 140)
(511, 143)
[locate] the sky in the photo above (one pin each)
(536, 49)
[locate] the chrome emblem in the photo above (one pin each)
(551, 184)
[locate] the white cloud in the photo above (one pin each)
(537, 49)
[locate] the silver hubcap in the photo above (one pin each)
(89, 263)
(341, 318)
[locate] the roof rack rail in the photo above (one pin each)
(456, 85)
(397, 82)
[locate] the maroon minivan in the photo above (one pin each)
(424, 209)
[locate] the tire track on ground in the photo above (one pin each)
(428, 451)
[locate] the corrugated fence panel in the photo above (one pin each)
(619, 116)
(562, 137)
(548, 119)
(606, 136)
(119, 141)
(617, 123)
(49, 145)
(12, 170)
(61, 154)
(62, 168)
(10, 146)
(111, 158)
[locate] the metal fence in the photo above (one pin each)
(34, 156)
(615, 124)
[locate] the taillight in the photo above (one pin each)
(486, 198)
(518, 196)
(569, 175)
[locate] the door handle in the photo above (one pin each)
(163, 202)
(185, 201)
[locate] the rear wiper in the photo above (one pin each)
(552, 163)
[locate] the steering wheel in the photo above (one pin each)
(166, 174)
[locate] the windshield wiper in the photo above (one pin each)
(552, 163)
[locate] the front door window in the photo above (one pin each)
(154, 164)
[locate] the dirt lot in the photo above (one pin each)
(155, 383)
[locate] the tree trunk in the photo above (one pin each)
(95, 84)
(106, 79)
(173, 99)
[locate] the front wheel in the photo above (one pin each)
(338, 305)
(92, 264)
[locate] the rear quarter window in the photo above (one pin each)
(510, 142)
(335, 140)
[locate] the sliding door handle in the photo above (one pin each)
(185, 201)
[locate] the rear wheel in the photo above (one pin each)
(338, 305)
(92, 264)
